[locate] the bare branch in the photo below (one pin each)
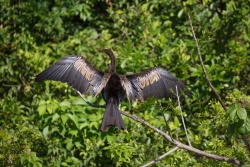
(182, 118)
(161, 157)
(203, 67)
(181, 145)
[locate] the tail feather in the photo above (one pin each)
(112, 117)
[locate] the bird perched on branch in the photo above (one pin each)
(82, 76)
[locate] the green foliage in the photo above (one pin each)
(121, 153)
(239, 122)
(238, 119)
(47, 124)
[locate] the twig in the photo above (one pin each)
(161, 157)
(181, 145)
(182, 118)
(203, 67)
(92, 105)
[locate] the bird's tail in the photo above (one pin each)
(112, 117)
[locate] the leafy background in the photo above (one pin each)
(47, 123)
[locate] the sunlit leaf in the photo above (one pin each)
(46, 132)
(233, 114)
(42, 109)
(55, 117)
(64, 118)
(65, 103)
(69, 144)
(74, 118)
(242, 114)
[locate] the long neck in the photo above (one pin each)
(112, 66)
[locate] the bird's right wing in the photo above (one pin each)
(78, 73)
(155, 82)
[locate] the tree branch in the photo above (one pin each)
(181, 145)
(161, 157)
(203, 67)
(182, 118)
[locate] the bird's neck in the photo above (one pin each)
(112, 66)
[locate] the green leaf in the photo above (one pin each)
(77, 101)
(111, 138)
(46, 132)
(65, 103)
(230, 109)
(69, 144)
(167, 116)
(64, 119)
(232, 115)
(180, 13)
(55, 117)
(242, 114)
(236, 126)
(75, 160)
(52, 107)
(64, 164)
(74, 118)
(246, 165)
(73, 132)
(237, 106)
(176, 122)
(82, 125)
(245, 128)
(42, 109)
(78, 144)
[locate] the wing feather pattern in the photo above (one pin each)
(155, 82)
(77, 72)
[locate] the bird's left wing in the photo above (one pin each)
(155, 82)
(78, 73)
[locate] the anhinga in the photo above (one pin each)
(81, 75)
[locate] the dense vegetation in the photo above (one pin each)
(48, 124)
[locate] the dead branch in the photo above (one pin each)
(203, 67)
(161, 157)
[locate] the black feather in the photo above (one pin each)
(112, 117)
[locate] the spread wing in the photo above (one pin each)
(155, 82)
(78, 73)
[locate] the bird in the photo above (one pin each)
(81, 75)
